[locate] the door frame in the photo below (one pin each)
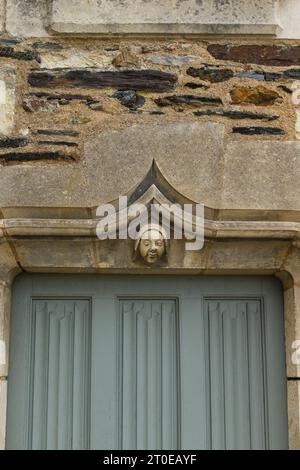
(260, 287)
(275, 257)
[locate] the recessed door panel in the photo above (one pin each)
(112, 362)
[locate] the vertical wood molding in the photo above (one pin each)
(60, 365)
(237, 374)
(148, 376)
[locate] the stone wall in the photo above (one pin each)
(65, 91)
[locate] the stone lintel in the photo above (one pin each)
(167, 17)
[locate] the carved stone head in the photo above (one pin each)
(152, 244)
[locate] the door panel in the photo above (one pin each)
(237, 371)
(148, 381)
(106, 362)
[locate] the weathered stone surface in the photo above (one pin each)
(252, 74)
(193, 100)
(288, 12)
(13, 142)
(262, 174)
(58, 132)
(47, 102)
(2, 15)
(294, 414)
(269, 76)
(257, 130)
(126, 58)
(258, 95)
(292, 73)
(297, 127)
(232, 114)
(275, 55)
(59, 143)
(130, 79)
(195, 85)
(260, 75)
(172, 60)
(10, 52)
(74, 58)
(129, 98)
(210, 74)
(33, 104)
(52, 46)
(190, 155)
(35, 156)
(190, 16)
(285, 88)
(27, 17)
(7, 99)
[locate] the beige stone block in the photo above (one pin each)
(247, 256)
(27, 17)
(189, 154)
(75, 58)
(262, 175)
(45, 254)
(2, 15)
(298, 124)
(292, 328)
(5, 297)
(7, 99)
(3, 401)
(289, 18)
(294, 414)
(167, 16)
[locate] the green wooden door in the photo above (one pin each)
(104, 362)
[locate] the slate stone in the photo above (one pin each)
(285, 88)
(272, 76)
(52, 46)
(292, 73)
(153, 80)
(210, 74)
(236, 114)
(258, 130)
(67, 133)
(35, 156)
(13, 142)
(129, 98)
(63, 96)
(36, 101)
(156, 113)
(188, 99)
(275, 55)
(260, 75)
(253, 75)
(195, 85)
(58, 143)
(9, 42)
(10, 52)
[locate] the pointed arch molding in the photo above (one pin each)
(219, 223)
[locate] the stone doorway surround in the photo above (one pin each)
(252, 225)
(231, 248)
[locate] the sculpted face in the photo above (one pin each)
(152, 246)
